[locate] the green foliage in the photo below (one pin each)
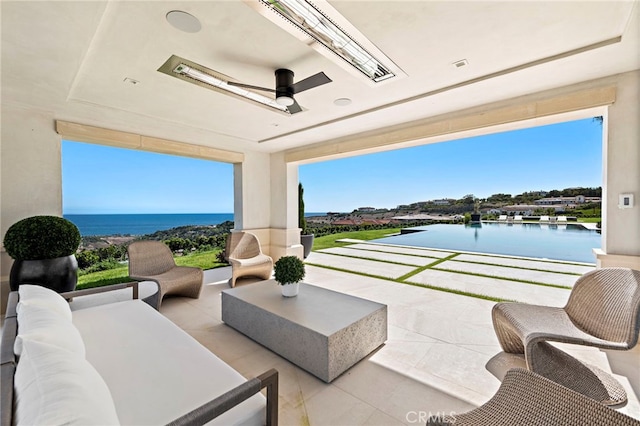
(41, 237)
(289, 270)
(302, 222)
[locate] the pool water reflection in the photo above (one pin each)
(569, 242)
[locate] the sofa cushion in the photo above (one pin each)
(55, 386)
(40, 323)
(156, 372)
(42, 296)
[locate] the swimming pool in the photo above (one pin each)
(569, 242)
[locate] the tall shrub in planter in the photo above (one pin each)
(43, 249)
(306, 239)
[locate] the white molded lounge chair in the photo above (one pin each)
(544, 219)
(517, 218)
(502, 218)
(562, 219)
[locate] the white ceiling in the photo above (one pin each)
(72, 58)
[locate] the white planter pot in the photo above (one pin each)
(290, 290)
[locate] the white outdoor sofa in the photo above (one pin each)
(119, 363)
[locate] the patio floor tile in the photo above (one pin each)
(382, 269)
(390, 257)
(507, 272)
(525, 263)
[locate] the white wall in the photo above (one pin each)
(621, 169)
(31, 175)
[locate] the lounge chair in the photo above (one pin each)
(526, 398)
(544, 219)
(502, 218)
(246, 257)
(153, 261)
(603, 310)
(562, 219)
(517, 218)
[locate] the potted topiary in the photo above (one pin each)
(306, 239)
(43, 249)
(289, 271)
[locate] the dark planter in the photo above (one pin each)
(307, 243)
(59, 274)
(475, 217)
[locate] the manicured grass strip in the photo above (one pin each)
(530, 259)
(429, 266)
(519, 267)
(564, 287)
(329, 241)
(446, 290)
(368, 258)
(421, 256)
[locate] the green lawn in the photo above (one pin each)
(329, 241)
(590, 219)
(204, 260)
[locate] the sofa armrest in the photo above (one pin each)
(96, 290)
(212, 409)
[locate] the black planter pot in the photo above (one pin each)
(307, 244)
(59, 274)
(475, 217)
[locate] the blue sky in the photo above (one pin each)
(100, 179)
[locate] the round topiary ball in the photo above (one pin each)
(289, 270)
(41, 237)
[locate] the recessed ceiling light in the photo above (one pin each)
(342, 102)
(184, 21)
(130, 81)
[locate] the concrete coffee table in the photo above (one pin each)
(321, 331)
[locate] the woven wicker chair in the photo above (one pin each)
(603, 310)
(246, 257)
(153, 261)
(526, 398)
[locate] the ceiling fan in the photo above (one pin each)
(286, 88)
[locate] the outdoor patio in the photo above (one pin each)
(434, 358)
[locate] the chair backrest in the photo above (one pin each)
(149, 258)
(606, 303)
(244, 245)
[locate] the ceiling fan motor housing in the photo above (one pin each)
(284, 83)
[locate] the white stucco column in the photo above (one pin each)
(285, 234)
(621, 170)
(31, 175)
(265, 202)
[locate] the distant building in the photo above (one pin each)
(567, 201)
(442, 202)
(367, 209)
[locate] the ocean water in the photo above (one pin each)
(561, 242)
(141, 224)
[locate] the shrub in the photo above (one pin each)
(289, 270)
(41, 237)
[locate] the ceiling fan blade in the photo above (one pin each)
(248, 86)
(311, 82)
(295, 108)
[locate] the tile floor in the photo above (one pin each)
(433, 362)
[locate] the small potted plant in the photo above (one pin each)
(289, 271)
(43, 249)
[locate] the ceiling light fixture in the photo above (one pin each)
(316, 24)
(205, 77)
